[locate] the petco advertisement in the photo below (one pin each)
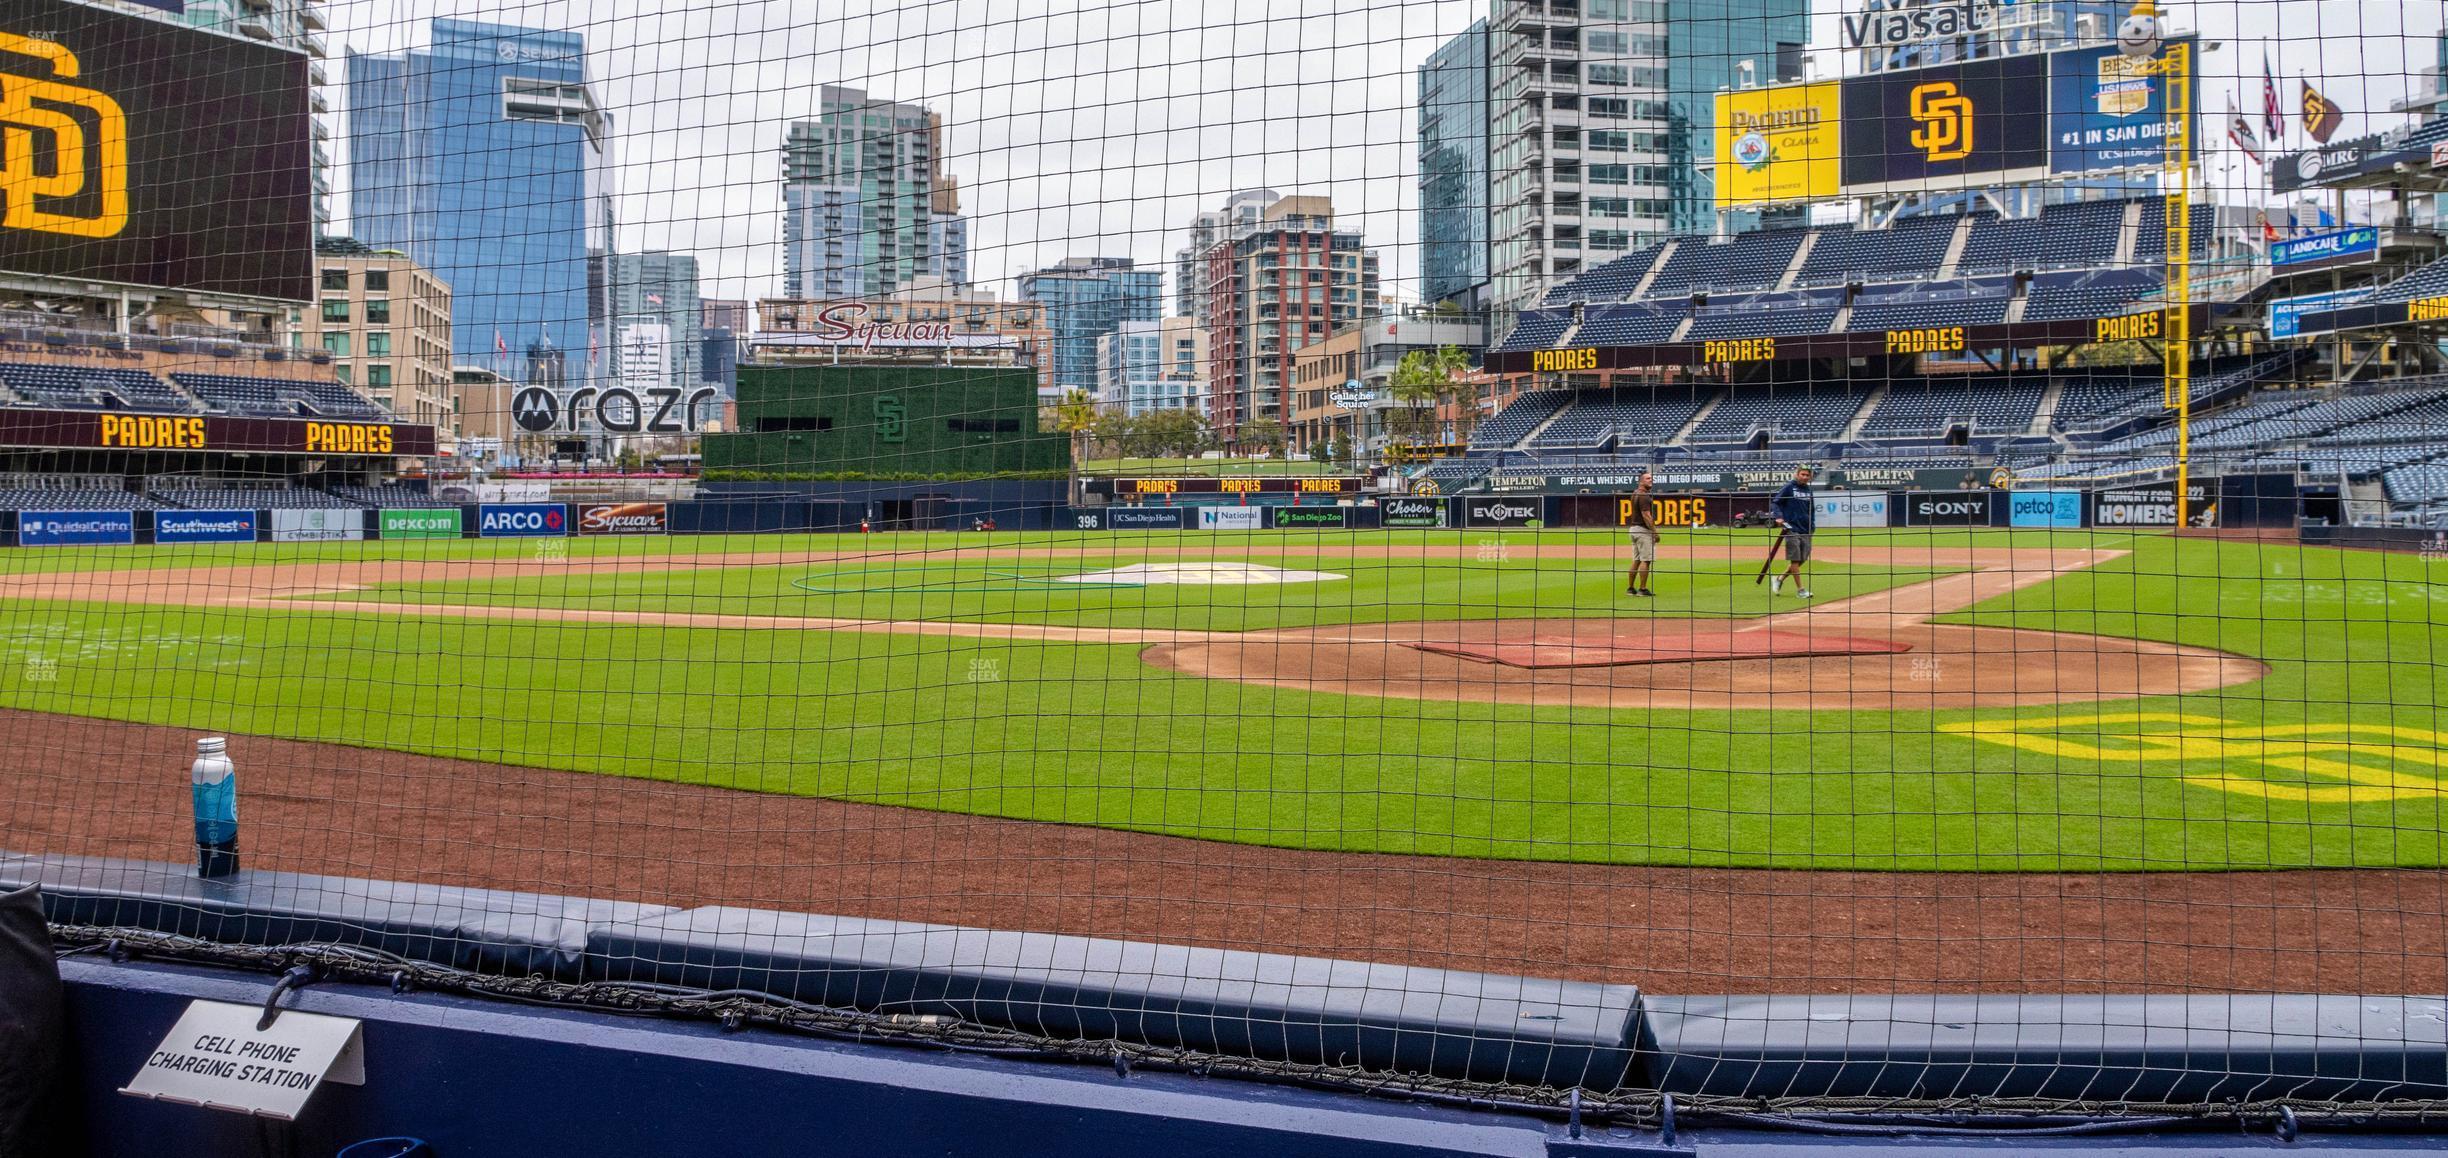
(317, 526)
(1851, 510)
(522, 520)
(204, 527)
(624, 519)
(2044, 509)
(74, 528)
(1230, 518)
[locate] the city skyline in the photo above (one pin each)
(1058, 157)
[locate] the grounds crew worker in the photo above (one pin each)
(1643, 526)
(1795, 514)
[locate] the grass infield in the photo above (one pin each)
(2333, 759)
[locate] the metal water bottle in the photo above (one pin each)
(215, 782)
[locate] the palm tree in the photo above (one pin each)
(1423, 381)
(1076, 415)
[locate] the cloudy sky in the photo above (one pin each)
(1098, 127)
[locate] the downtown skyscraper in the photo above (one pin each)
(866, 206)
(482, 157)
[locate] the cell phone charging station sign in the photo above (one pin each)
(217, 1058)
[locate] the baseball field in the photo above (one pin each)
(1949, 700)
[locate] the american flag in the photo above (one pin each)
(654, 299)
(500, 347)
(2273, 117)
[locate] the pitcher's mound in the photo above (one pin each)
(1202, 573)
(1692, 642)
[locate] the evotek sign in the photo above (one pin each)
(521, 520)
(1500, 513)
(1899, 27)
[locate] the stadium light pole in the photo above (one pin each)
(2140, 38)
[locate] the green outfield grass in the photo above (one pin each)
(1089, 734)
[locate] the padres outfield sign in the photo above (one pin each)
(86, 430)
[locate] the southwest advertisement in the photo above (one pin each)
(204, 527)
(1779, 145)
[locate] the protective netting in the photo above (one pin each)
(1476, 550)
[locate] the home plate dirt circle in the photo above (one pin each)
(1721, 664)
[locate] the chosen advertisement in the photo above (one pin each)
(624, 519)
(1779, 145)
(1947, 509)
(2106, 111)
(145, 153)
(1500, 512)
(1289, 518)
(317, 526)
(204, 526)
(75, 528)
(522, 520)
(2044, 509)
(1411, 512)
(1143, 518)
(1946, 126)
(433, 523)
(1230, 518)
(1850, 510)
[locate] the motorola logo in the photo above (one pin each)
(535, 409)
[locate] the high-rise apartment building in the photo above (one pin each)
(1087, 298)
(1240, 211)
(658, 321)
(1146, 366)
(386, 322)
(482, 157)
(1280, 283)
(1599, 115)
(866, 207)
(297, 24)
(1453, 170)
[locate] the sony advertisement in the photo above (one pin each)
(1947, 509)
(146, 153)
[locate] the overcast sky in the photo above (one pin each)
(1091, 127)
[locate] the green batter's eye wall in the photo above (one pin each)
(850, 422)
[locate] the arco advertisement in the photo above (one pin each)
(522, 520)
(435, 523)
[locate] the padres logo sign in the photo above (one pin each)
(2312, 763)
(88, 151)
(1943, 120)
